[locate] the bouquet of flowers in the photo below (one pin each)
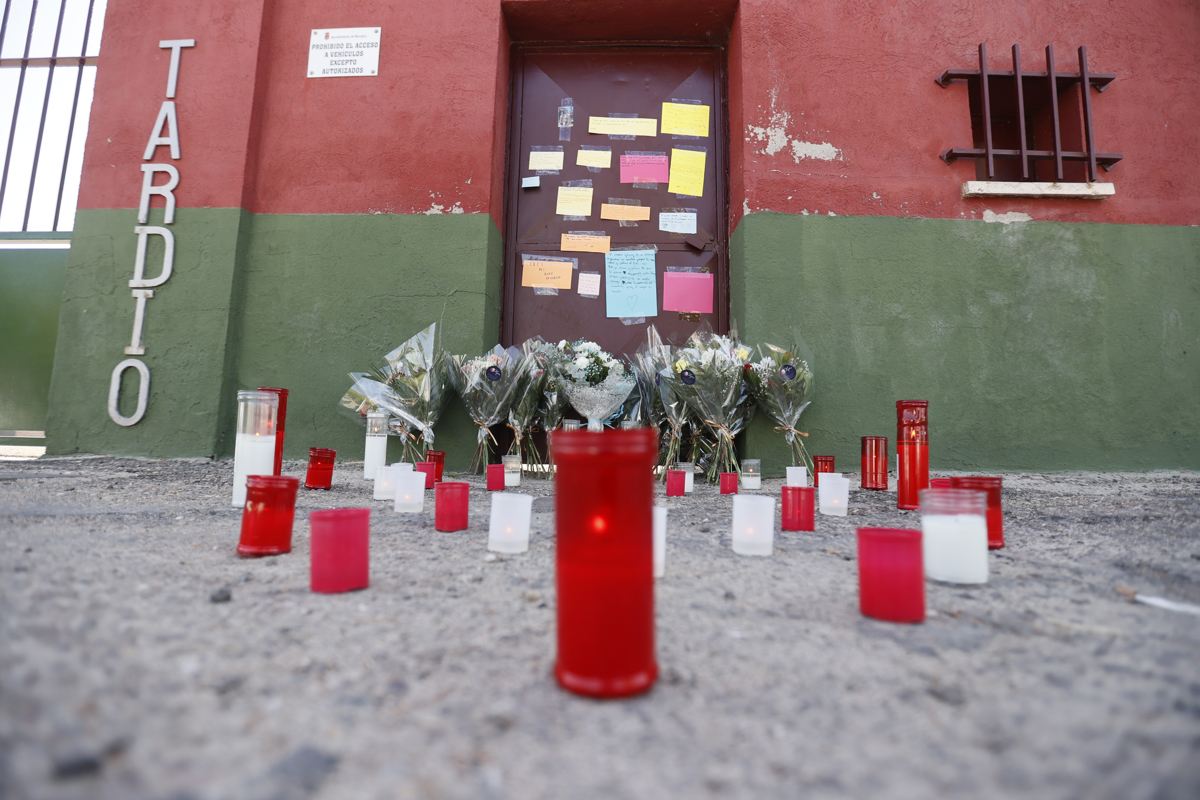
(527, 401)
(782, 384)
(596, 384)
(707, 374)
(488, 385)
(665, 409)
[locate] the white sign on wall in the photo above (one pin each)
(339, 52)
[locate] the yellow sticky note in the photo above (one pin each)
(613, 211)
(684, 119)
(687, 172)
(584, 243)
(545, 159)
(546, 273)
(594, 158)
(622, 126)
(574, 201)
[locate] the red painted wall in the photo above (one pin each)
(834, 107)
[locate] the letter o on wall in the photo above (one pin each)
(114, 390)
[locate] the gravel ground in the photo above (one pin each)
(120, 677)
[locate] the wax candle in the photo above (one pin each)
(495, 477)
(320, 468)
(675, 482)
(993, 487)
(660, 541)
(438, 457)
(940, 483)
(385, 482)
(254, 442)
(834, 494)
(753, 525)
(729, 483)
(571, 424)
(912, 452)
(267, 515)
(280, 422)
(821, 464)
(339, 549)
(689, 475)
(891, 578)
(451, 506)
(752, 473)
(954, 533)
(874, 462)
(375, 451)
(410, 492)
(508, 528)
(797, 513)
(429, 470)
(604, 496)
(797, 476)
(512, 471)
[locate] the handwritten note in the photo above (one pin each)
(613, 211)
(687, 172)
(631, 288)
(594, 158)
(574, 201)
(685, 119)
(546, 159)
(589, 284)
(677, 221)
(546, 273)
(689, 292)
(643, 169)
(623, 126)
(584, 243)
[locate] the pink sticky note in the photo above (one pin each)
(691, 292)
(645, 169)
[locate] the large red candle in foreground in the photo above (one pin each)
(995, 515)
(912, 452)
(604, 500)
(891, 574)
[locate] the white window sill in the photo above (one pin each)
(1078, 191)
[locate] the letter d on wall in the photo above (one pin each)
(114, 391)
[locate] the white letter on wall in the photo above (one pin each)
(165, 114)
(173, 76)
(114, 390)
(139, 318)
(166, 190)
(139, 264)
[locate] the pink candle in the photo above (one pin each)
(891, 574)
(675, 482)
(340, 549)
(451, 506)
(798, 512)
(495, 477)
(430, 470)
(729, 483)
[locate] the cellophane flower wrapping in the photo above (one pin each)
(413, 378)
(708, 374)
(596, 383)
(782, 383)
(665, 409)
(553, 404)
(527, 400)
(487, 385)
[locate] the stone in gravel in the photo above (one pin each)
(77, 765)
(222, 595)
(950, 695)
(705, 529)
(297, 776)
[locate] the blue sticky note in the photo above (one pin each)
(631, 284)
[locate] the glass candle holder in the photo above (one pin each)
(875, 462)
(940, 483)
(508, 528)
(753, 525)
(660, 541)
(512, 470)
(495, 477)
(385, 482)
(675, 482)
(320, 468)
(798, 513)
(821, 464)
(628, 424)
(891, 577)
(797, 476)
(375, 450)
(254, 444)
(752, 473)
(834, 495)
(912, 452)
(993, 487)
(429, 470)
(339, 547)
(451, 502)
(267, 515)
(604, 498)
(954, 534)
(571, 424)
(438, 457)
(729, 483)
(689, 475)
(410, 492)
(280, 422)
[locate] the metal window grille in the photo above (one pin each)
(1033, 94)
(47, 63)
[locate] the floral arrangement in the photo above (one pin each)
(596, 383)
(782, 384)
(524, 413)
(665, 408)
(487, 385)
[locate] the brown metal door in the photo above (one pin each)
(602, 82)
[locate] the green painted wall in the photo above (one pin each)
(1039, 346)
(31, 290)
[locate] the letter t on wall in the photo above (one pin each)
(176, 46)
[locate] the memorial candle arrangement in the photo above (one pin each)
(508, 527)
(798, 507)
(875, 462)
(834, 494)
(993, 487)
(891, 578)
(451, 506)
(753, 525)
(280, 422)
(375, 450)
(340, 549)
(254, 444)
(954, 532)
(912, 452)
(410, 492)
(320, 468)
(752, 473)
(267, 515)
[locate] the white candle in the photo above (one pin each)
(508, 528)
(753, 524)
(374, 456)
(660, 541)
(797, 476)
(410, 492)
(252, 455)
(689, 474)
(834, 494)
(512, 471)
(954, 547)
(385, 482)
(751, 473)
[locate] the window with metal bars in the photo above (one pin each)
(1032, 126)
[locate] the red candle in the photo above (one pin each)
(821, 464)
(912, 452)
(675, 482)
(874, 462)
(267, 516)
(729, 483)
(438, 457)
(940, 483)
(495, 477)
(340, 549)
(279, 423)
(891, 575)
(451, 506)
(430, 470)
(995, 516)
(320, 468)
(797, 514)
(604, 490)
